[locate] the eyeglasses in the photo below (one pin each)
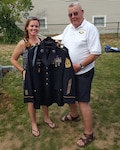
(74, 13)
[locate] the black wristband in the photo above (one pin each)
(23, 70)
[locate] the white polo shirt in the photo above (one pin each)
(81, 42)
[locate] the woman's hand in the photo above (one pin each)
(23, 74)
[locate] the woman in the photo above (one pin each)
(31, 30)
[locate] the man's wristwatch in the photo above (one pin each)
(81, 66)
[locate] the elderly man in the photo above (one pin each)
(82, 40)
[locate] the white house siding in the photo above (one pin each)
(108, 8)
(57, 18)
(56, 13)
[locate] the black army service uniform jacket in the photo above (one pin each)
(49, 75)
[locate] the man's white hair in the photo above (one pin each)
(74, 4)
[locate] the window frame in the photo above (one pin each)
(45, 20)
(99, 16)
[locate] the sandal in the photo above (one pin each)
(70, 118)
(85, 140)
(51, 124)
(35, 133)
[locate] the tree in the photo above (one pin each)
(12, 12)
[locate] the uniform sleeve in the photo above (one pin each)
(28, 85)
(68, 81)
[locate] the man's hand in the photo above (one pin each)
(76, 67)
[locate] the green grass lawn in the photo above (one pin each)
(15, 127)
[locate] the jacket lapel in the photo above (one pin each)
(47, 53)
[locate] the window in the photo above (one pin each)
(43, 23)
(99, 21)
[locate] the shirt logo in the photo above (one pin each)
(81, 31)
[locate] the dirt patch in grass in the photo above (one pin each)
(10, 141)
(5, 100)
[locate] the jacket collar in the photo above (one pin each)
(47, 51)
